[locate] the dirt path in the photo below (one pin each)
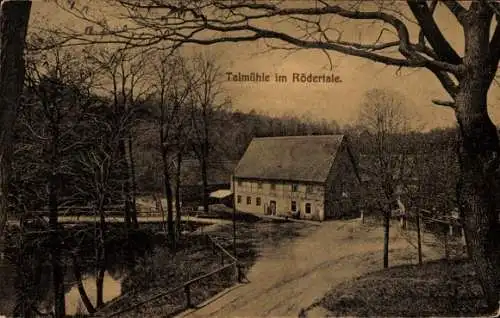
(291, 277)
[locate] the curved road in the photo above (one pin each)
(291, 277)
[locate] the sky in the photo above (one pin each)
(339, 101)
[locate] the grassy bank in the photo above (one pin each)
(436, 288)
(162, 270)
(253, 237)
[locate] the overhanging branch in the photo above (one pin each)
(432, 33)
(188, 22)
(445, 103)
(457, 9)
(268, 34)
(445, 80)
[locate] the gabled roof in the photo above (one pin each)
(296, 158)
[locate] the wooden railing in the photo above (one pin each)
(447, 227)
(186, 287)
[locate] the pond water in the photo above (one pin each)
(116, 273)
(112, 289)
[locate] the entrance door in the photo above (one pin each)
(272, 207)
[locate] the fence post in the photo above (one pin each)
(419, 239)
(446, 248)
(188, 296)
(238, 272)
(464, 241)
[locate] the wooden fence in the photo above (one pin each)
(78, 211)
(438, 225)
(227, 260)
(446, 230)
(110, 210)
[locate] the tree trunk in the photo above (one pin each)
(53, 186)
(81, 289)
(133, 190)
(99, 282)
(204, 176)
(23, 304)
(178, 194)
(169, 196)
(479, 158)
(204, 157)
(126, 185)
(57, 267)
(477, 193)
(419, 239)
(387, 220)
(37, 277)
(14, 18)
(101, 256)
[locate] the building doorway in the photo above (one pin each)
(272, 207)
(308, 208)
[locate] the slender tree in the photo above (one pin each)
(97, 170)
(123, 75)
(383, 116)
(207, 105)
(172, 92)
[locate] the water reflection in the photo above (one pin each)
(29, 273)
(112, 289)
(26, 276)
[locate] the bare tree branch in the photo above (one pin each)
(444, 103)
(457, 9)
(495, 6)
(186, 24)
(432, 33)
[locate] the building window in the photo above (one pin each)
(238, 199)
(239, 183)
(309, 189)
(273, 186)
(294, 206)
(249, 200)
(295, 187)
(257, 201)
(308, 208)
(259, 185)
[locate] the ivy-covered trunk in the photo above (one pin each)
(479, 158)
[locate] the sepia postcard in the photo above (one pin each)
(249, 158)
